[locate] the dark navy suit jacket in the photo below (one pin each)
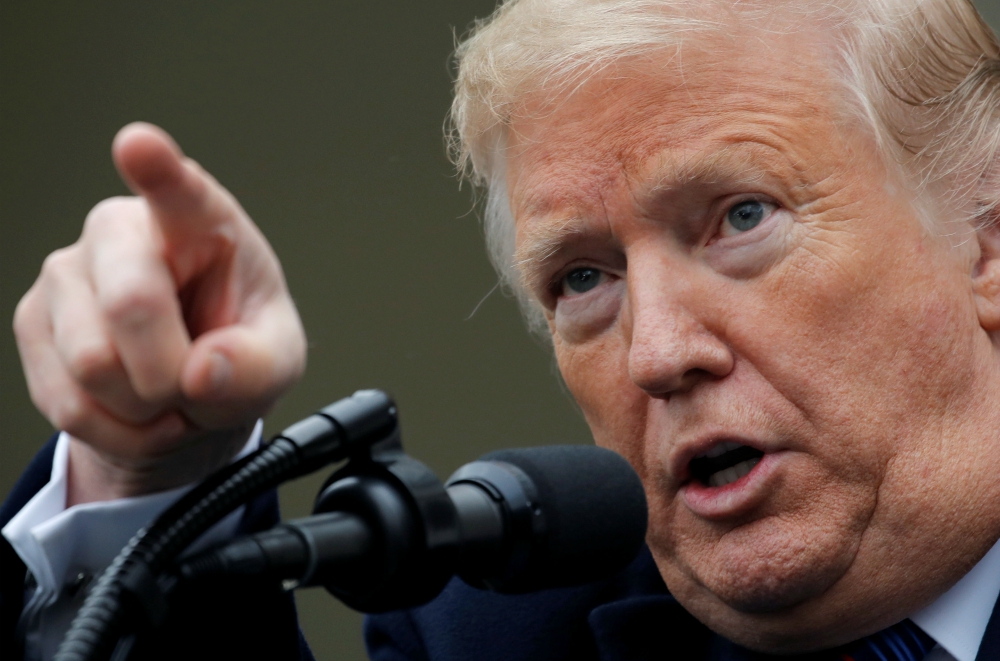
(630, 617)
(214, 622)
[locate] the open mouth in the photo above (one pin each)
(724, 463)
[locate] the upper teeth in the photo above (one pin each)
(733, 473)
(721, 448)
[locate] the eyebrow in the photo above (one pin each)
(544, 238)
(734, 163)
(541, 242)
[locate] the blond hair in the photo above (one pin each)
(924, 75)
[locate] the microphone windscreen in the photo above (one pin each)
(594, 508)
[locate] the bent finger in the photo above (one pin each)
(71, 409)
(85, 347)
(137, 296)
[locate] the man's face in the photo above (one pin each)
(727, 267)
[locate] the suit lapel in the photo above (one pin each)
(645, 628)
(989, 649)
(12, 570)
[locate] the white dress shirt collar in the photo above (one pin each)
(957, 620)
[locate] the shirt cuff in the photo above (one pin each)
(57, 543)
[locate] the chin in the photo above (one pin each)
(754, 588)
(771, 584)
(768, 619)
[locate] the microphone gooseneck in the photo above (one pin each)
(385, 533)
(343, 428)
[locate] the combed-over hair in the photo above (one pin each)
(924, 75)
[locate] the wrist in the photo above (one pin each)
(93, 475)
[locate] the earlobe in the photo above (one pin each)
(986, 277)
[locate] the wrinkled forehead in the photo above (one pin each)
(674, 118)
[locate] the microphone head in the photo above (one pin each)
(594, 511)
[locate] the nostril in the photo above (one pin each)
(695, 376)
(664, 385)
(676, 356)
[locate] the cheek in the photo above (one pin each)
(872, 330)
(596, 373)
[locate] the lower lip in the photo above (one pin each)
(736, 498)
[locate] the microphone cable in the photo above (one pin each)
(129, 585)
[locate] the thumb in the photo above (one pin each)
(235, 373)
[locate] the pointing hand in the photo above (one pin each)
(163, 333)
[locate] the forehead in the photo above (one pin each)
(712, 106)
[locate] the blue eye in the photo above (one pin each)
(747, 215)
(582, 280)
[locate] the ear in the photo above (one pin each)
(986, 277)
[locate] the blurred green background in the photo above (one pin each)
(324, 119)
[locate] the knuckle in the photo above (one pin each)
(134, 302)
(110, 212)
(58, 262)
(24, 315)
(93, 364)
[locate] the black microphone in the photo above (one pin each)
(547, 517)
(517, 521)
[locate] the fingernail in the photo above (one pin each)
(220, 371)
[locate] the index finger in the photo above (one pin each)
(187, 203)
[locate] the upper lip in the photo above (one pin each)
(680, 460)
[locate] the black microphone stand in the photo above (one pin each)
(385, 534)
(385, 528)
(131, 595)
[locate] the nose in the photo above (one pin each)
(672, 348)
